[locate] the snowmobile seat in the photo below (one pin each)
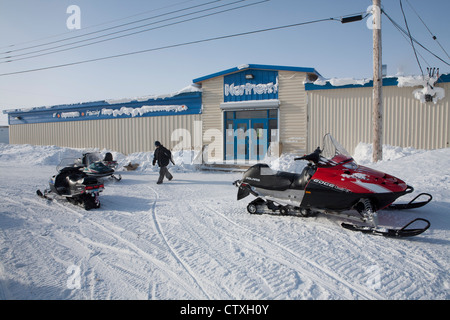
(108, 157)
(261, 176)
(284, 180)
(301, 180)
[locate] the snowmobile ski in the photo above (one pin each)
(388, 232)
(118, 178)
(411, 204)
(42, 195)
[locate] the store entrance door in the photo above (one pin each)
(258, 139)
(247, 134)
(241, 139)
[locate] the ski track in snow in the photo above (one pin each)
(172, 251)
(190, 239)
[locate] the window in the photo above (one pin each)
(248, 133)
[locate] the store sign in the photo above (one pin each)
(251, 85)
(251, 88)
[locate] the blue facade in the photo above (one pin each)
(184, 103)
(250, 85)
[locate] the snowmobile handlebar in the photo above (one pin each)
(313, 157)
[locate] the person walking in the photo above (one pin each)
(162, 156)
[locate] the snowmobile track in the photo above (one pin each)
(171, 249)
(134, 250)
(307, 264)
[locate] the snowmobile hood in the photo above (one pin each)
(360, 179)
(98, 167)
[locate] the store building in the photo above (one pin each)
(252, 111)
(125, 126)
(242, 115)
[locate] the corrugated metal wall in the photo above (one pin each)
(293, 112)
(347, 115)
(212, 97)
(122, 135)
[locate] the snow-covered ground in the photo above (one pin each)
(191, 239)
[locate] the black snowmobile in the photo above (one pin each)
(331, 183)
(77, 187)
(95, 166)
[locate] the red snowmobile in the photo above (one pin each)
(331, 183)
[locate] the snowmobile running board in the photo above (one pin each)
(393, 233)
(411, 204)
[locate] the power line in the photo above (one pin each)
(109, 34)
(172, 46)
(408, 40)
(137, 32)
(431, 33)
(406, 33)
(113, 27)
(133, 33)
(410, 37)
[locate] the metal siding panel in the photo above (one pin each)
(293, 115)
(122, 135)
(212, 117)
(344, 114)
(347, 114)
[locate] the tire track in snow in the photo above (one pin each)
(138, 251)
(308, 265)
(209, 253)
(171, 249)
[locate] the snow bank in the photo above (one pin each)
(286, 163)
(185, 160)
(36, 155)
(52, 156)
(363, 153)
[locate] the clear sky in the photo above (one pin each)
(333, 49)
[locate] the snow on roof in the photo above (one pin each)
(189, 89)
(424, 94)
(337, 82)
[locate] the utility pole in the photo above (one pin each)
(377, 95)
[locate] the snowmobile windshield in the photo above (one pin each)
(90, 158)
(67, 162)
(333, 153)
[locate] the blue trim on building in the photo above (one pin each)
(444, 78)
(255, 66)
(181, 104)
(386, 82)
